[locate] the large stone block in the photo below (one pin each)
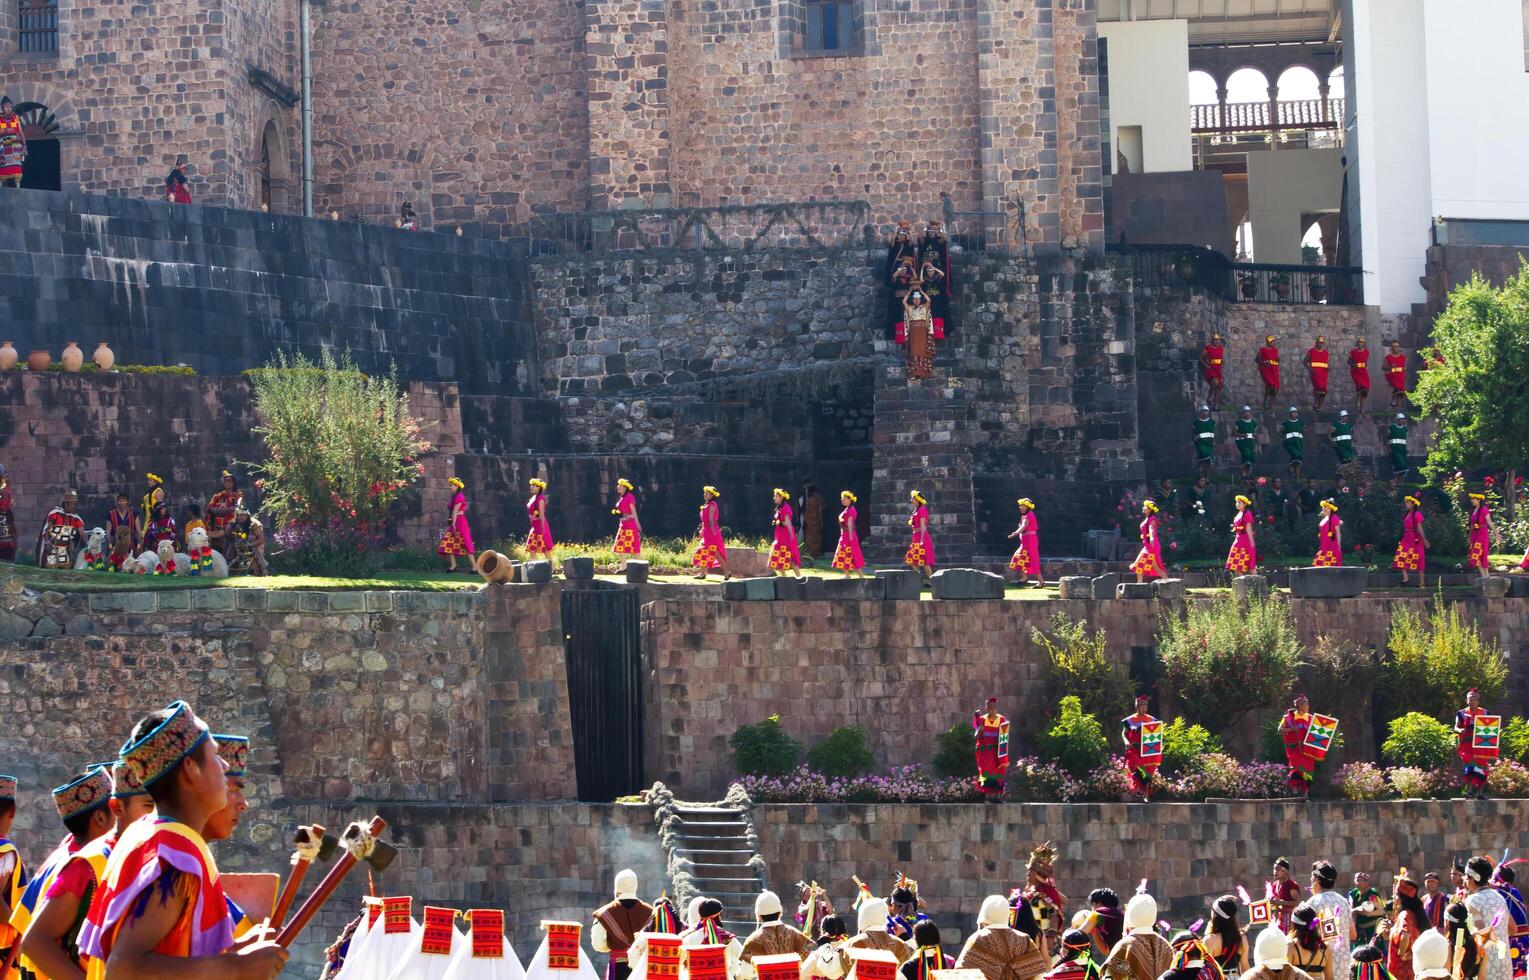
(1520, 586)
(535, 572)
(1250, 586)
(749, 589)
(1075, 587)
(1134, 590)
(1168, 588)
(790, 588)
(578, 568)
(901, 583)
(967, 583)
(1494, 587)
(636, 570)
(1104, 585)
(851, 588)
(1337, 582)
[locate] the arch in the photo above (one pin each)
(273, 182)
(63, 118)
(1204, 89)
(1297, 83)
(1247, 84)
(369, 182)
(1337, 84)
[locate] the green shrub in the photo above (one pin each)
(955, 755)
(1077, 663)
(1075, 741)
(1434, 657)
(89, 367)
(1225, 658)
(763, 749)
(1418, 740)
(843, 754)
(1515, 739)
(1184, 745)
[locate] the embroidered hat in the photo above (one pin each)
(233, 750)
(124, 783)
(83, 794)
(8, 788)
(152, 757)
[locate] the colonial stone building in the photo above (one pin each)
(492, 111)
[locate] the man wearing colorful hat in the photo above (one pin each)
(1474, 764)
(51, 909)
(174, 757)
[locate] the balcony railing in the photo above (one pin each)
(828, 225)
(1253, 117)
(38, 26)
(1191, 267)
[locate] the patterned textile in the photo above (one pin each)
(1002, 953)
(154, 755)
(83, 794)
(1139, 956)
(234, 750)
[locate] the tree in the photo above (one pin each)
(1474, 386)
(1434, 657)
(1227, 657)
(1078, 663)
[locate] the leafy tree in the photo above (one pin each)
(1227, 657)
(1078, 663)
(763, 749)
(842, 754)
(1434, 657)
(1474, 387)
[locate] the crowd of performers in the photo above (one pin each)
(1317, 361)
(1474, 929)
(1293, 440)
(132, 532)
(1307, 736)
(918, 272)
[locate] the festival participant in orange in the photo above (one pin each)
(1027, 557)
(1212, 356)
(920, 554)
(1329, 536)
(173, 756)
(1268, 370)
(712, 551)
(785, 556)
(629, 527)
(1302, 764)
(1359, 372)
(539, 538)
(1149, 560)
(1140, 773)
(1396, 374)
(1316, 365)
(918, 326)
(1474, 764)
(847, 556)
(1243, 558)
(1481, 534)
(1412, 550)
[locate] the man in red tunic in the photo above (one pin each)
(1293, 727)
(1139, 770)
(1396, 374)
(1283, 893)
(1268, 370)
(1474, 766)
(1316, 363)
(1211, 356)
(7, 521)
(1359, 370)
(992, 733)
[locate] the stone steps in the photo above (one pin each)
(713, 841)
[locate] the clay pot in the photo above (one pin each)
(8, 355)
(72, 357)
(39, 360)
(495, 567)
(104, 357)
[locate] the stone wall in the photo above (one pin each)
(1190, 853)
(223, 290)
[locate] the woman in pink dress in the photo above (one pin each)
(457, 539)
(785, 556)
(711, 552)
(847, 557)
(1027, 557)
(1329, 537)
(1481, 534)
(539, 539)
(920, 554)
(629, 528)
(1243, 558)
(1412, 550)
(1149, 560)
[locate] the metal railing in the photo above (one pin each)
(38, 26)
(825, 225)
(1194, 267)
(1254, 117)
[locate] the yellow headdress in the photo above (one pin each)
(781, 493)
(537, 483)
(624, 483)
(1474, 495)
(918, 497)
(851, 496)
(1243, 500)
(1149, 505)
(456, 483)
(1269, 339)
(1026, 502)
(1413, 500)
(1331, 505)
(711, 491)
(227, 475)
(154, 478)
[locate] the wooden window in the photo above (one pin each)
(39, 26)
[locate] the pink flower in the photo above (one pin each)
(1490, 481)
(1120, 506)
(1345, 489)
(1269, 519)
(1173, 546)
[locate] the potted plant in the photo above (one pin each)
(1248, 283)
(1317, 287)
(1280, 283)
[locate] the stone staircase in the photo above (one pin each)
(711, 842)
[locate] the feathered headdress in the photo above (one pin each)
(1042, 858)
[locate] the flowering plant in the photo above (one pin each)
(1363, 781)
(905, 784)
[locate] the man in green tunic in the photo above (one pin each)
(1205, 440)
(1343, 438)
(1247, 439)
(1293, 429)
(1396, 441)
